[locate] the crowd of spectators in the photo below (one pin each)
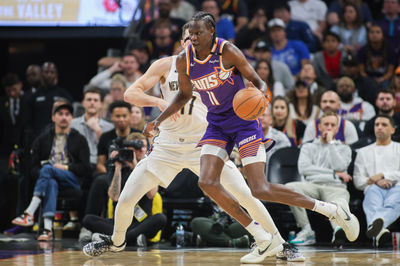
(330, 66)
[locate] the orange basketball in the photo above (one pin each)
(249, 104)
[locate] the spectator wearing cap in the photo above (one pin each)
(366, 87)
(301, 105)
(280, 70)
(327, 63)
(256, 29)
(291, 52)
(59, 156)
(385, 103)
(353, 107)
(390, 23)
(225, 28)
(313, 12)
(295, 29)
(395, 86)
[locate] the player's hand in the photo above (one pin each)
(151, 129)
(344, 176)
(162, 105)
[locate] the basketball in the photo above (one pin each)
(249, 104)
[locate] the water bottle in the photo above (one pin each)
(180, 236)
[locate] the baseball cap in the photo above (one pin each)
(397, 71)
(262, 45)
(350, 60)
(276, 22)
(63, 106)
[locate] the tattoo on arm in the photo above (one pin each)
(115, 188)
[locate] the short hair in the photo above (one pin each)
(329, 113)
(391, 121)
(184, 28)
(332, 34)
(128, 53)
(9, 80)
(136, 135)
(92, 90)
(119, 78)
(120, 104)
(342, 79)
(208, 19)
(282, 6)
(388, 91)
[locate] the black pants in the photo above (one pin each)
(149, 226)
(97, 196)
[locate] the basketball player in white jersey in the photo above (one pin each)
(174, 149)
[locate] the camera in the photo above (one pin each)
(122, 146)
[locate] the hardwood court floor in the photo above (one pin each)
(209, 256)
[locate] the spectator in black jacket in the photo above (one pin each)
(60, 156)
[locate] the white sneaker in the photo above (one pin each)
(303, 238)
(345, 219)
(85, 235)
(262, 250)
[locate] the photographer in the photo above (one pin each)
(148, 219)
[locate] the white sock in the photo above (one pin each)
(48, 223)
(33, 205)
(258, 232)
(325, 208)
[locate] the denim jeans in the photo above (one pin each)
(50, 180)
(382, 203)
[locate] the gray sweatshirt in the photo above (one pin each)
(318, 161)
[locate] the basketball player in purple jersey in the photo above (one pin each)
(215, 68)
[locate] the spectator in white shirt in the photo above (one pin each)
(377, 172)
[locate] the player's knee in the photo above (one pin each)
(209, 186)
(262, 192)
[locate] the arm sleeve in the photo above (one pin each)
(102, 80)
(350, 133)
(360, 175)
(81, 165)
(340, 156)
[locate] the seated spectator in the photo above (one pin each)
(128, 66)
(235, 11)
(291, 52)
(148, 218)
(256, 29)
(390, 23)
(395, 86)
(264, 70)
(301, 105)
(377, 173)
(219, 230)
(313, 12)
(353, 107)
(292, 128)
(323, 164)
(385, 103)
(60, 156)
(90, 125)
(336, 9)
(295, 29)
(350, 29)
(41, 103)
(164, 16)
(118, 86)
(224, 27)
(280, 70)
(347, 132)
(138, 118)
(181, 9)
(307, 74)
(163, 44)
(33, 75)
(366, 87)
(377, 58)
(281, 140)
(328, 63)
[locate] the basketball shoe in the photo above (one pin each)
(346, 220)
(262, 250)
(290, 253)
(304, 237)
(24, 219)
(105, 244)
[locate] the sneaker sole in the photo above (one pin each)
(376, 228)
(22, 224)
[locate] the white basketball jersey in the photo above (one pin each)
(192, 122)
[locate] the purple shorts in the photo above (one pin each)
(227, 130)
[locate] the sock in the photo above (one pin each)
(118, 239)
(48, 223)
(325, 208)
(258, 232)
(33, 205)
